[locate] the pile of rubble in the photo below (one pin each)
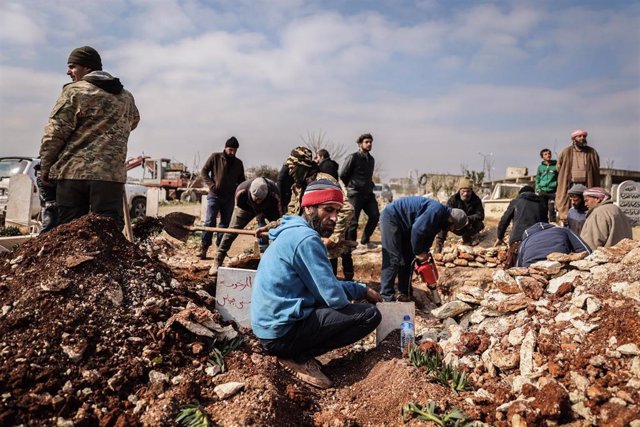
(467, 256)
(557, 341)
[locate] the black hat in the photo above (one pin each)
(232, 142)
(87, 57)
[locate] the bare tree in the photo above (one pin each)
(608, 163)
(318, 140)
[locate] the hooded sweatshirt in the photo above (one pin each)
(294, 278)
(541, 239)
(547, 177)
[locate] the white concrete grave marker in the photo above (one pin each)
(20, 189)
(629, 200)
(233, 294)
(153, 201)
(392, 315)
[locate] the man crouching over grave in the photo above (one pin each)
(299, 309)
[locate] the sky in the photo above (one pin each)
(439, 84)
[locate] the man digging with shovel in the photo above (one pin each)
(299, 310)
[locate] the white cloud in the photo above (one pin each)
(17, 27)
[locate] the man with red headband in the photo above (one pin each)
(299, 310)
(577, 164)
(606, 224)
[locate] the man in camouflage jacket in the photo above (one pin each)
(304, 170)
(84, 147)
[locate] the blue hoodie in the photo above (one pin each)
(294, 278)
(541, 239)
(423, 218)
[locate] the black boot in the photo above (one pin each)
(203, 252)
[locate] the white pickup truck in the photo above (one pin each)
(11, 166)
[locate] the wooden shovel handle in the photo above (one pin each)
(221, 230)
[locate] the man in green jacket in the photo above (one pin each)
(547, 182)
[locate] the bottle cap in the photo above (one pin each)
(406, 317)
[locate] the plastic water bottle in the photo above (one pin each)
(407, 334)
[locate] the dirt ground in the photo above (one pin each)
(95, 330)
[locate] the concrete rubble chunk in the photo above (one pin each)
(526, 354)
(516, 336)
(579, 300)
(584, 412)
(200, 321)
(593, 305)
(584, 327)
(158, 377)
(450, 309)
(598, 256)
(581, 382)
(632, 258)
(465, 249)
(518, 271)
(547, 267)
(630, 349)
(501, 276)
(227, 390)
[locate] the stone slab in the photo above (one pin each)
(233, 294)
(628, 198)
(19, 203)
(392, 315)
(153, 201)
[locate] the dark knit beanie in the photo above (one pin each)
(232, 142)
(322, 191)
(526, 189)
(87, 57)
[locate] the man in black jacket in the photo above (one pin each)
(471, 204)
(525, 210)
(254, 197)
(326, 163)
(221, 173)
(357, 175)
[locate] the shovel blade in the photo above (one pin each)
(175, 225)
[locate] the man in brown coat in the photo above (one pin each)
(577, 164)
(606, 224)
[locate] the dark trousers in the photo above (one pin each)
(215, 206)
(347, 264)
(324, 330)
(473, 228)
(77, 197)
(239, 220)
(397, 256)
(48, 205)
(549, 200)
(368, 204)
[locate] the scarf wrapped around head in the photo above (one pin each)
(597, 192)
(578, 132)
(322, 191)
(300, 156)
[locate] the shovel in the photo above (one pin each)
(179, 225)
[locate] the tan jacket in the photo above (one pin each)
(565, 162)
(605, 226)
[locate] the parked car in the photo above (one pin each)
(11, 166)
(383, 191)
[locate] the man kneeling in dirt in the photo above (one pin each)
(299, 309)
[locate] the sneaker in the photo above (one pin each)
(367, 246)
(309, 372)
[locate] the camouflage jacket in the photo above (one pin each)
(344, 215)
(88, 129)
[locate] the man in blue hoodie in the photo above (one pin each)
(542, 239)
(299, 309)
(408, 227)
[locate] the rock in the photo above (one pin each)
(464, 249)
(448, 258)
(504, 359)
(450, 309)
(514, 303)
(114, 294)
(515, 337)
(526, 354)
(502, 277)
(547, 267)
(579, 381)
(212, 371)
(227, 390)
(572, 313)
(470, 294)
(630, 349)
(561, 257)
(475, 264)
(466, 256)
(158, 377)
(570, 277)
(17, 260)
(518, 271)
(584, 327)
(450, 265)
(564, 289)
(583, 265)
(584, 412)
(593, 305)
(598, 256)
(632, 258)
(530, 286)
(74, 348)
(629, 290)
(460, 262)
